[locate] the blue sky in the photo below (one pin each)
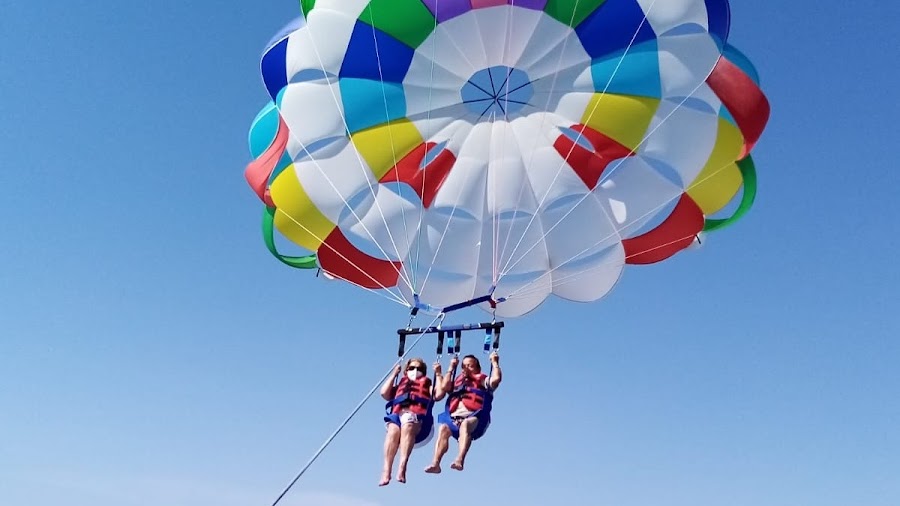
(153, 353)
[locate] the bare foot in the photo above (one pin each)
(385, 479)
(457, 464)
(401, 475)
(433, 469)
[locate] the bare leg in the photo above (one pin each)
(465, 441)
(407, 441)
(440, 448)
(391, 442)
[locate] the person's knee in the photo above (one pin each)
(392, 436)
(444, 432)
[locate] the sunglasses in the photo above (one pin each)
(415, 368)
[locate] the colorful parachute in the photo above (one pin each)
(449, 150)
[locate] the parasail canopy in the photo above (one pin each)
(441, 151)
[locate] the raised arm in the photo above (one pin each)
(438, 382)
(387, 388)
(496, 373)
(444, 383)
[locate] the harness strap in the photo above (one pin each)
(456, 340)
(487, 395)
(412, 399)
(402, 349)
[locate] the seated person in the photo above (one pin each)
(468, 411)
(408, 417)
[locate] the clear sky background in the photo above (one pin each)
(152, 353)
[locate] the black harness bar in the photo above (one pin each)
(495, 326)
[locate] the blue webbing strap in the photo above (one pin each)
(495, 346)
(451, 343)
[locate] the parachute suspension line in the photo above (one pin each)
(349, 417)
(395, 298)
(522, 291)
(497, 252)
(455, 201)
(586, 195)
(352, 211)
(387, 114)
(415, 266)
(535, 144)
(444, 233)
(660, 206)
(574, 277)
(564, 280)
(492, 184)
(495, 244)
(617, 165)
(362, 167)
(492, 158)
(463, 54)
(506, 268)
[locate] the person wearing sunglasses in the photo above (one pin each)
(408, 417)
(468, 410)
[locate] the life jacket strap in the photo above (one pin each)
(409, 399)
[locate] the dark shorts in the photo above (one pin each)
(484, 421)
